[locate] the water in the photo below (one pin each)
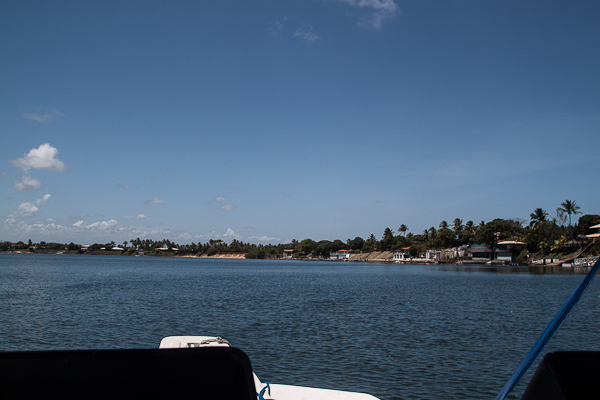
(395, 331)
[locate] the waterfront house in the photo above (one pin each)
(506, 250)
(433, 255)
(594, 236)
(340, 255)
(287, 254)
(401, 255)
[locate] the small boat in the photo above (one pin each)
(265, 390)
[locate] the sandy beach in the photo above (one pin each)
(219, 255)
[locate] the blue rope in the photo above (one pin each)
(549, 332)
(262, 392)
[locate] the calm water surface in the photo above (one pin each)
(395, 331)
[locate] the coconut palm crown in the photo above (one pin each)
(569, 207)
(538, 218)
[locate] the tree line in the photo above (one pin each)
(542, 234)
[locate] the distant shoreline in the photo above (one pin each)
(231, 256)
(220, 255)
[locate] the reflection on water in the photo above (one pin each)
(396, 331)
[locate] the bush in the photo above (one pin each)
(413, 250)
(522, 258)
(256, 254)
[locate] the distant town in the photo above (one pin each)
(543, 240)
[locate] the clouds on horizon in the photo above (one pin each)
(102, 225)
(103, 231)
(26, 209)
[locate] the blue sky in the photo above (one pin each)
(266, 121)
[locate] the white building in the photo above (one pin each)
(340, 255)
(401, 255)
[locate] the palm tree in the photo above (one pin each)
(538, 218)
(403, 228)
(388, 238)
(458, 225)
(432, 232)
(443, 225)
(569, 207)
(469, 226)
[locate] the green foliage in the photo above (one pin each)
(257, 253)
(356, 244)
(306, 246)
(413, 250)
(522, 258)
(387, 240)
(403, 228)
(323, 248)
(538, 218)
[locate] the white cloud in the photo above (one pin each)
(155, 200)
(98, 224)
(123, 186)
(263, 239)
(223, 203)
(378, 11)
(43, 118)
(43, 199)
(103, 224)
(26, 209)
(27, 183)
(306, 33)
(44, 157)
(140, 216)
(230, 234)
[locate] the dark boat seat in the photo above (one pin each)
(199, 373)
(566, 375)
